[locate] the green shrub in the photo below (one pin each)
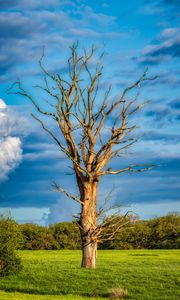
(38, 238)
(10, 238)
(67, 235)
(165, 232)
(158, 233)
(134, 236)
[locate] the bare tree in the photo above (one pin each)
(81, 112)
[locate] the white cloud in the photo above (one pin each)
(11, 125)
(2, 105)
(62, 210)
(11, 122)
(10, 156)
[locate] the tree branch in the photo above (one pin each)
(61, 190)
(131, 168)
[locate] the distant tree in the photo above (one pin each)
(135, 234)
(165, 232)
(37, 238)
(81, 113)
(10, 238)
(67, 235)
(158, 233)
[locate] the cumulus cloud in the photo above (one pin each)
(11, 125)
(10, 156)
(2, 105)
(11, 122)
(61, 210)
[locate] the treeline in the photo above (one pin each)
(63, 235)
(158, 233)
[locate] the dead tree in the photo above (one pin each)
(80, 112)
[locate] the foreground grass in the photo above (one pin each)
(23, 296)
(51, 275)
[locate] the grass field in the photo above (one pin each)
(52, 275)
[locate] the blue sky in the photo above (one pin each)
(134, 34)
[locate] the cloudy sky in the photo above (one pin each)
(134, 34)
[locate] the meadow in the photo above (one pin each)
(51, 275)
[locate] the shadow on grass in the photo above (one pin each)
(28, 291)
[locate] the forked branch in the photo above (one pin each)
(61, 190)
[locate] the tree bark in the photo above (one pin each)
(89, 255)
(88, 224)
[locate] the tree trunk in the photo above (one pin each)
(89, 255)
(88, 224)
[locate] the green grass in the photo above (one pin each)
(51, 275)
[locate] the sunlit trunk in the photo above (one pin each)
(89, 255)
(88, 224)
